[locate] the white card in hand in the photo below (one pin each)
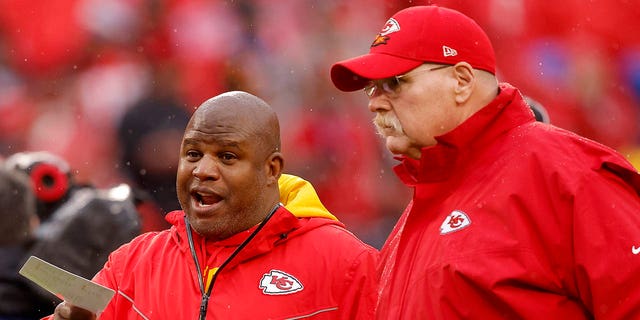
(74, 289)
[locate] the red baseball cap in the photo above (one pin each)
(413, 36)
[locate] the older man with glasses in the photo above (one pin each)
(510, 218)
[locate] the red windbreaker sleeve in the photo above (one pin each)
(360, 294)
(607, 245)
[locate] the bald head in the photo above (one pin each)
(236, 109)
(227, 179)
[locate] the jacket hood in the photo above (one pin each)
(299, 197)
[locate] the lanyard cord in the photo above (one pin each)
(205, 295)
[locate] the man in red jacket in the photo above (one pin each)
(510, 218)
(236, 252)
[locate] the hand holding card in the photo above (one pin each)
(72, 288)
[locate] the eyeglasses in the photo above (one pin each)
(391, 85)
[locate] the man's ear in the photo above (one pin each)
(275, 164)
(465, 81)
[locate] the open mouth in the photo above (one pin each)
(205, 199)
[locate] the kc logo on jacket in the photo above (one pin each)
(455, 221)
(277, 282)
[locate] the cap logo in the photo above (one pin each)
(449, 52)
(379, 40)
(390, 26)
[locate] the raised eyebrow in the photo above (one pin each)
(190, 141)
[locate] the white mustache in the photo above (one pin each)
(384, 122)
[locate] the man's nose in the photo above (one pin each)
(207, 168)
(378, 103)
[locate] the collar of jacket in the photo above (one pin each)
(282, 222)
(282, 226)
(439, 162)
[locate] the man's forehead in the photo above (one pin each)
(218, 133)
(213, 115)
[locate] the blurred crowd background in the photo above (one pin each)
(108, 85)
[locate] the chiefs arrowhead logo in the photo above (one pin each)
(455, 221)
(390, 26)
(277, 282)
(380, 39)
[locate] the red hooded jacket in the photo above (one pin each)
(514, 219)
(298, 266)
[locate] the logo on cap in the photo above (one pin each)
(390, 26)
(449, 52)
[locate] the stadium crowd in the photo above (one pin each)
(108, 85)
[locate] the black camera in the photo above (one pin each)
(80, 225)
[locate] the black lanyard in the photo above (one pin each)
(205, 295)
